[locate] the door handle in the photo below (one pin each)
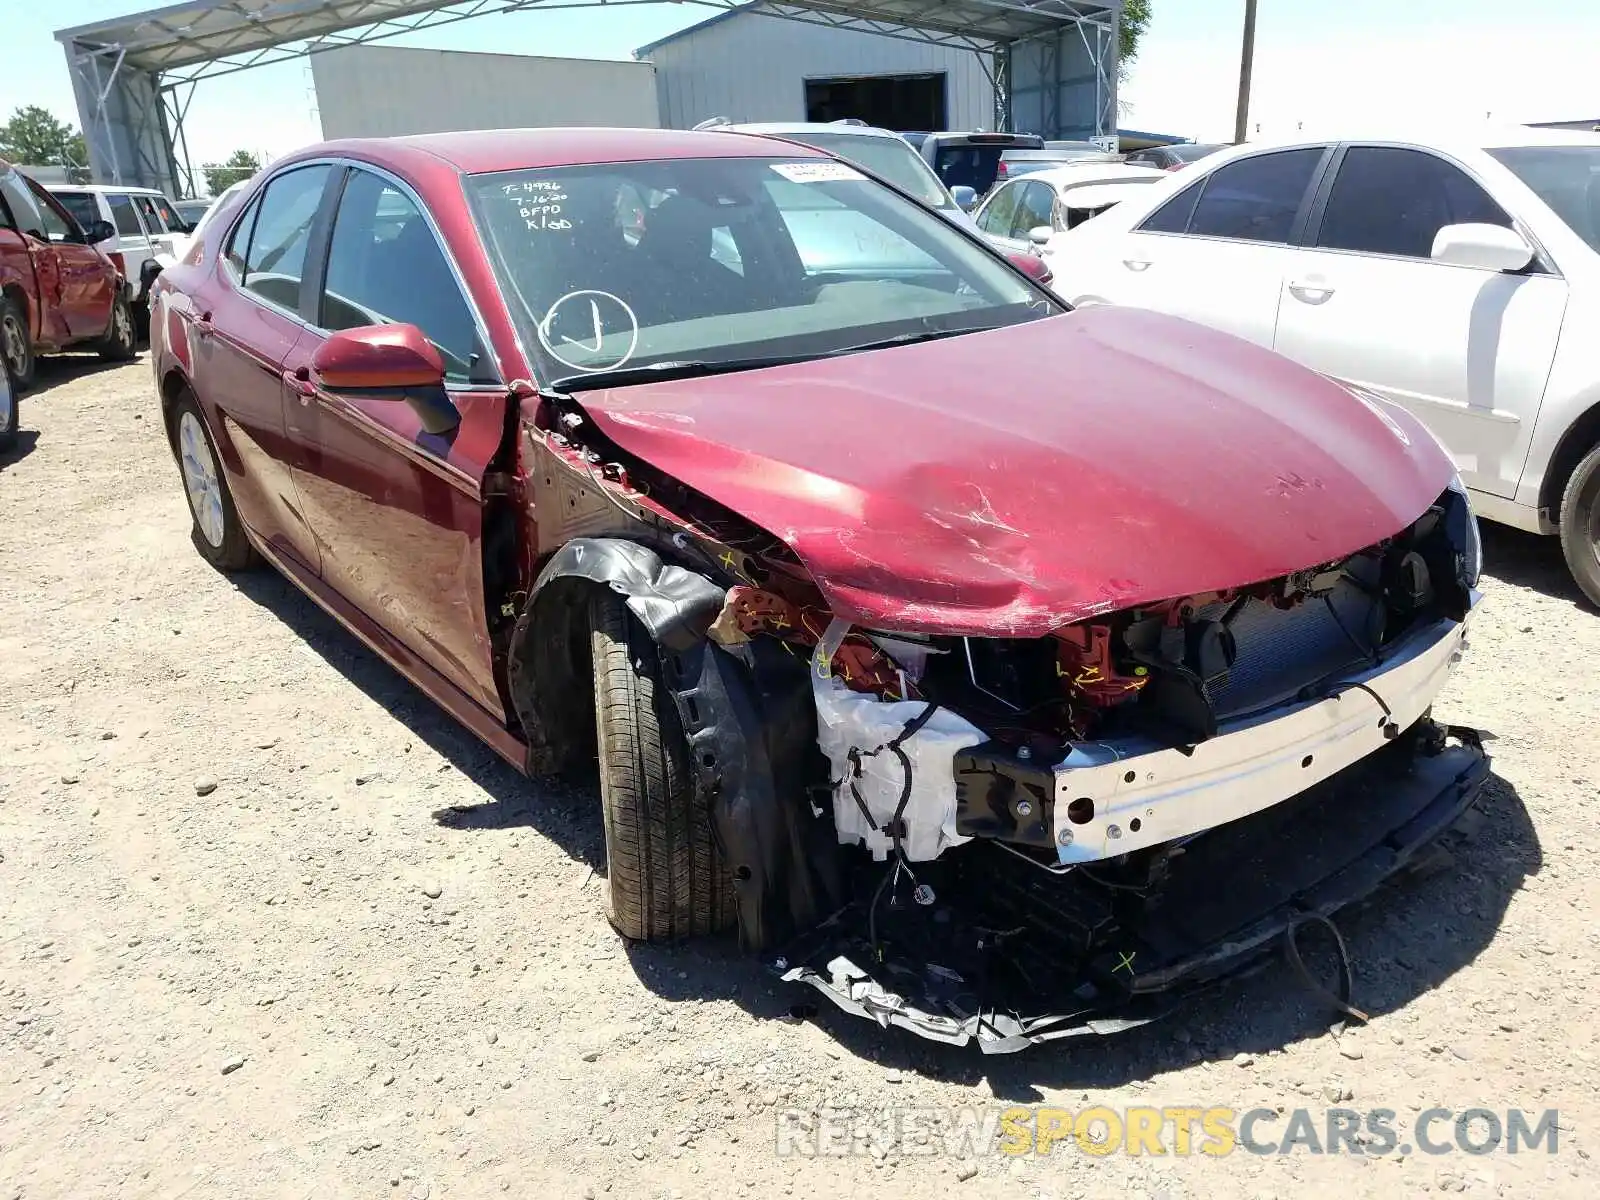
(1136, 264)
(299, 382)
(203, 325)
(1309, 291)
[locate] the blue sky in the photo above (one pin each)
(1357, 62)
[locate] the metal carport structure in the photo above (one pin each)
(134, 76)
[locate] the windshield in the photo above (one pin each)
(1567, 178)
(729, 259)
(80, 204)
(889, 157)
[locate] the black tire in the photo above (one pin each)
(667, 879)
(10, 410)
(1580, 525)
(217, 533)
(121, 341)
(16, 343)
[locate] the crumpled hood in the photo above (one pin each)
(1009, 482)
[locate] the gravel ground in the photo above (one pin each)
(271, 925)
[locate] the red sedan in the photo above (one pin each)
(898, 604)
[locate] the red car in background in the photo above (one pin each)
(902, 607)
(57, 291)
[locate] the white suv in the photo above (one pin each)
(1458, 277)
(150, 234)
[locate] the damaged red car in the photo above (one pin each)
(1001, 671)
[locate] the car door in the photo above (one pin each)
(87, 285)
(162, 241)
(1467, 350)
(27, 262)
(1216, 251)
(397, 511)
(242, 324)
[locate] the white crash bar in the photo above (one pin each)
(1144, 796)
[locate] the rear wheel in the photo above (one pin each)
(218, 533)
(119, 344)
(666, 875)
(1580, 525)
(16, 343)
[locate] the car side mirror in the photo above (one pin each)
(1031, 265)
(964, 196)
(95, 232)
(1040, 234)
(388, 362)
(1487, 247)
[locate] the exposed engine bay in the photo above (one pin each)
(967, 835)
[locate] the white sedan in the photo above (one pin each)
(1456, 276)
(1023, 213)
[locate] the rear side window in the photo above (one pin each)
(268, 249)
(124, 216)
(1255, 199)
(1389, 200)
(1173, 216)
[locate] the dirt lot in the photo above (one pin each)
(250, 992)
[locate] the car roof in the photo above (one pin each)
(1454, 139)
(102, 189)
(787, 128)
(483, 150)
(1070, 174)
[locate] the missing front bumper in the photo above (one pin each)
(1008, 955)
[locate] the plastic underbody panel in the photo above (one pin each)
(1009, 954)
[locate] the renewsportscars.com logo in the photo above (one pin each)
(1179, 1131)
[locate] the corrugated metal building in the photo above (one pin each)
(748, 66)
(385, 91)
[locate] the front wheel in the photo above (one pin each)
(1580, 525)
(218, 533)
(665, 872)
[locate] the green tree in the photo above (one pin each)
(1135, 16)
(33, 137)
(241, 164)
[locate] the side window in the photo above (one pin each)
(269, 246)
(1387, 200)
(1035, 208)
(147, 210)
(83, 206)
(385, 267)
(58, 226)
(124, 216)
(999, 213)
(1255, 199)
(1173, 216)
(19, 202)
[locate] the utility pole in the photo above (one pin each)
(1247, 55)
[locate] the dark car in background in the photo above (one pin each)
(972, 160)
(1175, 158)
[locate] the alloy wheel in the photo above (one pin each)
(200, 479)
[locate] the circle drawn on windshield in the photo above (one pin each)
(582, 322)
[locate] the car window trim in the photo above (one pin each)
(1542, 263)
(1297, 227)
(317, 269)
